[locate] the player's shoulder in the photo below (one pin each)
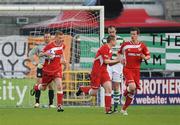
(119, 37)
(126, 43)
(142, 43)
(104, 47)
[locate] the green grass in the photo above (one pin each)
(138, 115)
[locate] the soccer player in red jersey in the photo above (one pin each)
(52, 68)
(36, 51)
(133, 52)
(99, 74)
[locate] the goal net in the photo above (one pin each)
(83, 27)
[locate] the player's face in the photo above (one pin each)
(134, 35)
(112, 32)
(59, 39)
(47, 37)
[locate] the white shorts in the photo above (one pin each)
(115, 72)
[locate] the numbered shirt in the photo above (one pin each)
(132, 53)
(55, 63)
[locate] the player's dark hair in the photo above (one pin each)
(135, 29)
(110, 38)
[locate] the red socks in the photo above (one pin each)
(60, 98)
(36, 87)
(107, 102)
(127, 103)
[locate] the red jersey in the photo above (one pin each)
(53, 65)
(132, 53)
(103, 53)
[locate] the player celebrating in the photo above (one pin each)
(36, 51)
(100, 75)
(134, 52)
(115, 71)
(52, 68)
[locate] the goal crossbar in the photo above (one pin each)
(47, 7)
(56, 8)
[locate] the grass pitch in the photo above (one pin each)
(138, 115)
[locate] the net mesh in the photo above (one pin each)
(83, 28)
(82, 39)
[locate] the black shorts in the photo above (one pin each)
(39, 73)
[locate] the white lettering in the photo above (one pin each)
(171, 86)
(146, 87)
(177, 86)
(152, 87)
(10, 89)
(159, 84)
(21, 95)
(165, 88)
(4, 90)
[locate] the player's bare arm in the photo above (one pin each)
(111, 62)
(63, 61)
(47, 53)
(121, 58)
(145, 57)
(33, 52)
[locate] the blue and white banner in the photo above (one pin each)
(158, 91)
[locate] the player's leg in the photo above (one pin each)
(51, 95)
(58, 82)
(91, 89)
(131, 89)
(116, 81)
(116, 95)
(46, 79)
(87, 90)
(37, 95)
(108, 90)
(130, 76)
(84, 89)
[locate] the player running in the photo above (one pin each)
(36, 51)
(134, 52)
(115, 71)
(52, 68)
(99, 74)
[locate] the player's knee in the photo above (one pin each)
(59, 87)
(108, 90)
(93, 92)
(132, 87)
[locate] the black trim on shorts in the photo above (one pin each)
(39, 73)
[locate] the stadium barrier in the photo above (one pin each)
(15, 92)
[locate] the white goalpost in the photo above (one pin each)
(83, 27)
(21, 8)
